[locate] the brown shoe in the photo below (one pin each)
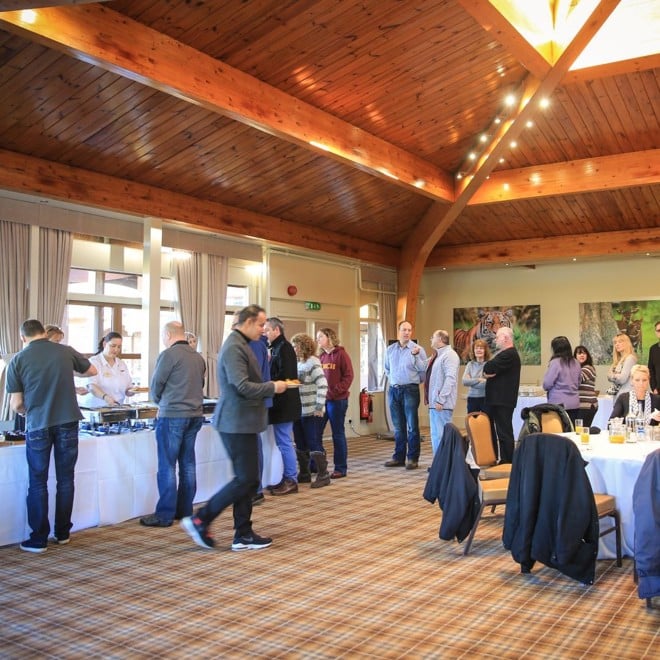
(412, 465)
(393, 463)
(287, 486)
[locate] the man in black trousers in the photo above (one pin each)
(502, 375)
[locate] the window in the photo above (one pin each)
(100, 302)
(372, 348)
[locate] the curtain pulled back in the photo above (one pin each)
(14, 272)
(217, 304)
(188, 277)
(55, 248)
(189, 273)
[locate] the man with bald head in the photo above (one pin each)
(502, 375)
(177, 386)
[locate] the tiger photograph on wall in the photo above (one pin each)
(472, 323)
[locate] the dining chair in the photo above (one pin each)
(480, 437)
(551, 422)
(552, 514)
(491, 493)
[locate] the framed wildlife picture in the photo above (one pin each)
(601, 321)
(471, 323)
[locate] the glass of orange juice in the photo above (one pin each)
(578, 426)
(584, 435)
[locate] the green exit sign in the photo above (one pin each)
(312, 306)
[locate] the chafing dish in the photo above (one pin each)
(114, 414)
(208, 407)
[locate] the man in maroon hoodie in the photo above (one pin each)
(338, 370)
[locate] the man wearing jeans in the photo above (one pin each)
(40, 382)
(286, 408)
(177, 386)
(405, 366)
(441, 385)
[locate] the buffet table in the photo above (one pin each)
(116, 478)
(613, 469)
(603, 413)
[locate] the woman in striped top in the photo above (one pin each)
(308, 430)
(587, 389)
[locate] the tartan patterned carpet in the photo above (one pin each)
(356, 570)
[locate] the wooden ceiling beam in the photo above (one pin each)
(35, 176)
(553, 248)
(95, 34)
(496, 24)
(13, 5)
(573, 177)
(426, 235)
(647, 63)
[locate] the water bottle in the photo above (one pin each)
(641, 429)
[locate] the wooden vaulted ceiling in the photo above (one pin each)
(340, 126)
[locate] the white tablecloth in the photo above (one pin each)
(116, 478)
(603, 413)
(613, 469)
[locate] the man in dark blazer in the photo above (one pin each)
(240, 415)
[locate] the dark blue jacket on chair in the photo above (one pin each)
(646, 507)
(551, 514)
(452, 484)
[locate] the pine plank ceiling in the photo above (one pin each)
(340, 126)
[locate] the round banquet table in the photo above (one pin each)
(613, 469)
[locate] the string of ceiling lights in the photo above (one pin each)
(485, 138)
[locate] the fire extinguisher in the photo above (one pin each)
(366, 406)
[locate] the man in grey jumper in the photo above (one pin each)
(177, 386)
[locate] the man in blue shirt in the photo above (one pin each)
(40, 382)
(405, 366)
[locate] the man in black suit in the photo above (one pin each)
(502, 375)
(240, 415)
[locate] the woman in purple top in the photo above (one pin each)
(562, 378)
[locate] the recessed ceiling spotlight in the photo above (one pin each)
(483, 137)
(544, 103)
(529, 123)
(510, 100)
(472, 156)
(497, 120)
(513, 144)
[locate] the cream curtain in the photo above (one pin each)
(387, 311)
(218, 274)
(14, 270)
(189, 274)
(188, 277)
(55, 249)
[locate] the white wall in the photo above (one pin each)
(558, 289)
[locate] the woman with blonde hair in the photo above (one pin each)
(639, 402)
(623, 360)
(473, 376)
(308, 430)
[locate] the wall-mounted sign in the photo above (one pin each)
(312, 306)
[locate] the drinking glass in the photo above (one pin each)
(578, 426)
